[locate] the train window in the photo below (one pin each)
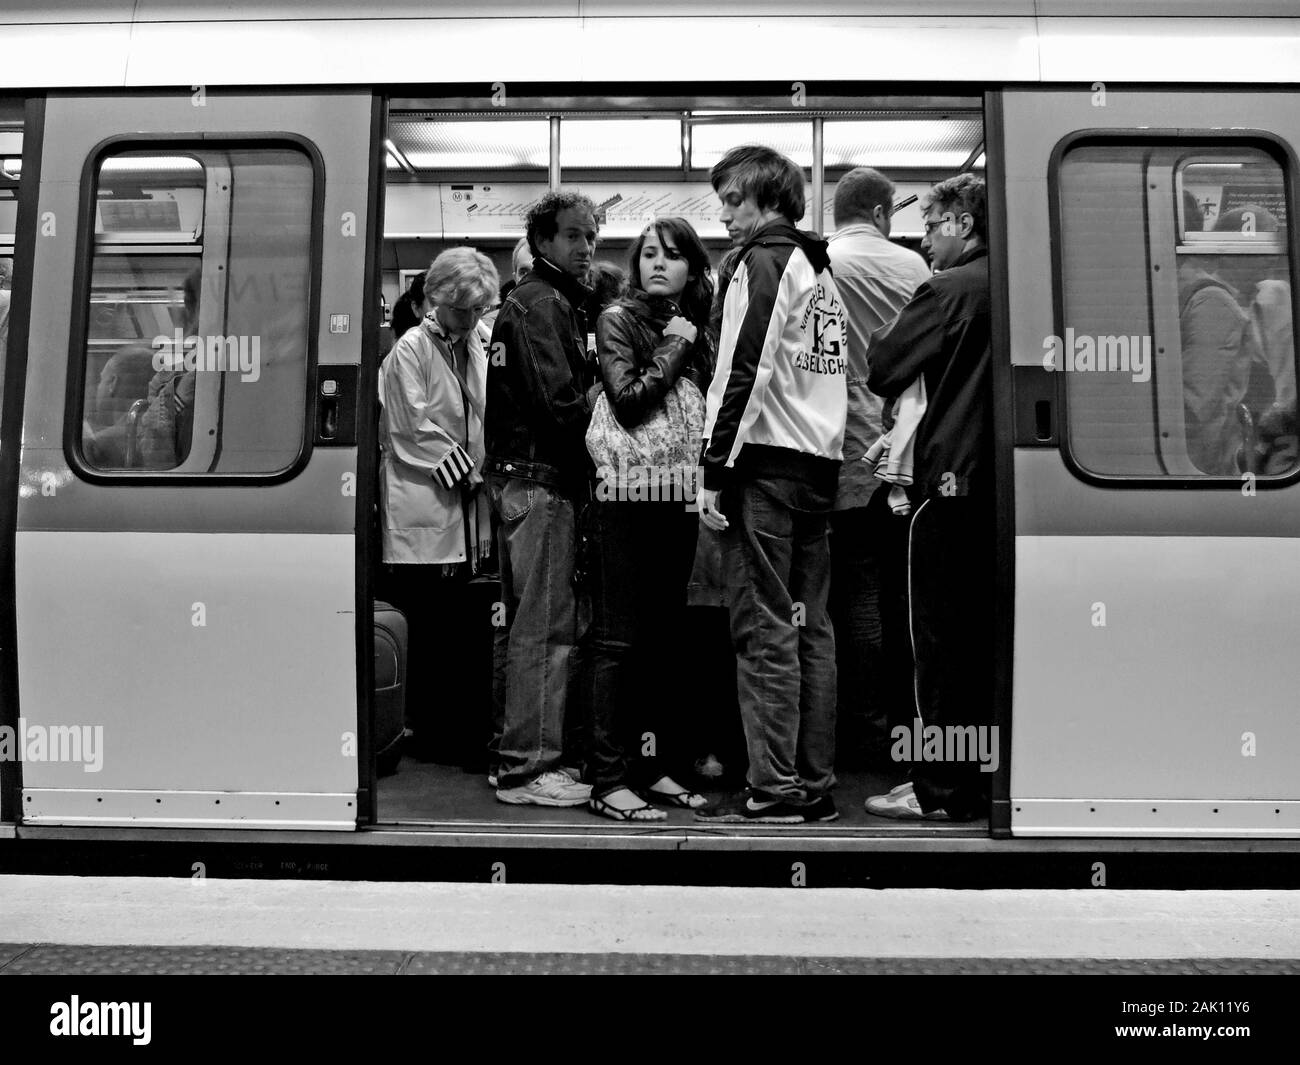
(197, 317)
(1176, 311)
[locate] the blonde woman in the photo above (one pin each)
(436, 524)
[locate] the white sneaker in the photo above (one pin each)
(555, 788)
(902, 804)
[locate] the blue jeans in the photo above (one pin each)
(537, 539)
(777, 562)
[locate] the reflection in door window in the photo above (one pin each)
(198, 311)
(1177, 330)
(11, 168)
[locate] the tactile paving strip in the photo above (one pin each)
(49, 959)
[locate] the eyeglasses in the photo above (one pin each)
(949, 221)
(477, 312)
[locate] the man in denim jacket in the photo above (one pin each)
(539, 403)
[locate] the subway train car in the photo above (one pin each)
(188, 646)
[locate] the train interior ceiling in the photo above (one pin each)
(462, 178)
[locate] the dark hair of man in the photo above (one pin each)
(859, 192)
(963, 194)
(775, 182)
(415, 290)
(543, 216)
(697, 298)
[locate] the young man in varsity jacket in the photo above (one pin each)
(774, 427)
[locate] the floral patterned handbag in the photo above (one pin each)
(664, 449)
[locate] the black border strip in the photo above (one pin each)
(79, 314)
(1263, 140)
(1003, 460)
(11, 428)
(368, 466)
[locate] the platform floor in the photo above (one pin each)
(334, 925)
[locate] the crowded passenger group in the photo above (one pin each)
(738, 517)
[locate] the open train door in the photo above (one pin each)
(186, 550)
(1152, 255)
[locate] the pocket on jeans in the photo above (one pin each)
(517, 497)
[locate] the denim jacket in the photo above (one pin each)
(539, 392)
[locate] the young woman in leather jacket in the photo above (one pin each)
(643, 549)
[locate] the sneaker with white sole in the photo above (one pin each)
(555, 788)
(903, 805)
(752, 807)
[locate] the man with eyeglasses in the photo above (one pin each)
(868, 603)
(943, 336)
(539, 404)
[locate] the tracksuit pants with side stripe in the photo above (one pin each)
(951, 567)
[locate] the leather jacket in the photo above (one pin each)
(539, 391)
(638, 363)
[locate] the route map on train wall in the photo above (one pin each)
(459, 211)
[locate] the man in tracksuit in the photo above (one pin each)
(943, 335)
(774, 427)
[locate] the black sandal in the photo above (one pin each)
(684, 799)
(646, 813)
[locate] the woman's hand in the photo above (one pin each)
(681, 327)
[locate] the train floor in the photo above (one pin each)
(429, 793)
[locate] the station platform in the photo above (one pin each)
(122, 926)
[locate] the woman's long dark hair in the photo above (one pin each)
(697, 298)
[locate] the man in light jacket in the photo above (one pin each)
(436, 520)
(868, 604)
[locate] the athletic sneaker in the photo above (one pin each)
(822, 809)
(555, 788)
(902, 804)
(752, 807)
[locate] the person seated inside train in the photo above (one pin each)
(123, 381)
(1227, 381)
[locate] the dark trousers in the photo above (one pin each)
(442, 685)
(862, 724)
(889, 534)
(952, 611)
(641, 555)
(777, 563)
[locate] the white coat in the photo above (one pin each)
(431, 435)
